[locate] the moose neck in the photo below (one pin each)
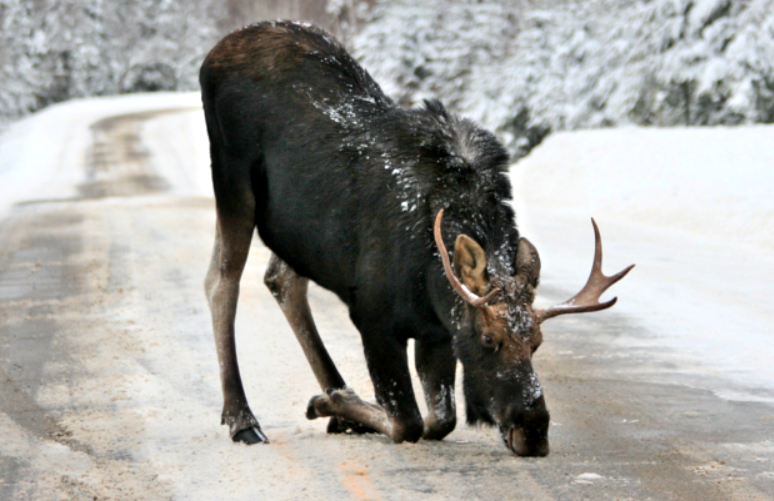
(450, 308)
(465, 173)
(447, 304)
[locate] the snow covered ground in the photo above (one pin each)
(715, 182)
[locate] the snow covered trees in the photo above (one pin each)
(520, 67)
(52, 50)
(525, 67)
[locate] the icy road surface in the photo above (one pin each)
(108, 375)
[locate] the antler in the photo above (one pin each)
(464, 292)
(588, 298)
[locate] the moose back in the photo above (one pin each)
(363, 197)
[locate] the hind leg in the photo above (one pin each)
(236, 222)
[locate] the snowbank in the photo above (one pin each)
(716, 182)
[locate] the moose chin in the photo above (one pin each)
(363, 197)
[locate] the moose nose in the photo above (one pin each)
(528, 435)
(518, 440)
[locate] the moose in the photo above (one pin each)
(362, 196)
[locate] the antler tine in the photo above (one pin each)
(464, 292)
(588, 298)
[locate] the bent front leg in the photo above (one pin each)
(290, 290)
(396, 414)
(344, 406)
(388, 366)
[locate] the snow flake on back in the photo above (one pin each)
(342, 112)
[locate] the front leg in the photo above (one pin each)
(343, 405)
(397, 414)
(436, 365)
(290, 291)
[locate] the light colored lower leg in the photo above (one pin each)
(222, 289)
(290, 291)
(346, 404)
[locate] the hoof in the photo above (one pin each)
(251, 436)
(436, 429)
(327, 404)
(311, 411)
(340, 425)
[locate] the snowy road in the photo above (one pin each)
(109, 383)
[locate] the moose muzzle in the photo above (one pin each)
(526, 431)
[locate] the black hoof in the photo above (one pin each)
(340, 425)
(311, 412)
(251, 436)
(335, 426)
(321, 405)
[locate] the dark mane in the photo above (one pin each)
(469, 146)
(470, 175)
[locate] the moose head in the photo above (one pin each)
(499, 331)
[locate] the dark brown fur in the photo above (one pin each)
(343, 186)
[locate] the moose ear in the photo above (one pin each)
(528, 262)
(470, 265)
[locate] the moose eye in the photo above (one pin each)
(487, 341)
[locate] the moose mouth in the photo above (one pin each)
(523, 443)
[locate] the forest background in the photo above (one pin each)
(523, 68)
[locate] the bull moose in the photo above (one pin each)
(362, 196)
